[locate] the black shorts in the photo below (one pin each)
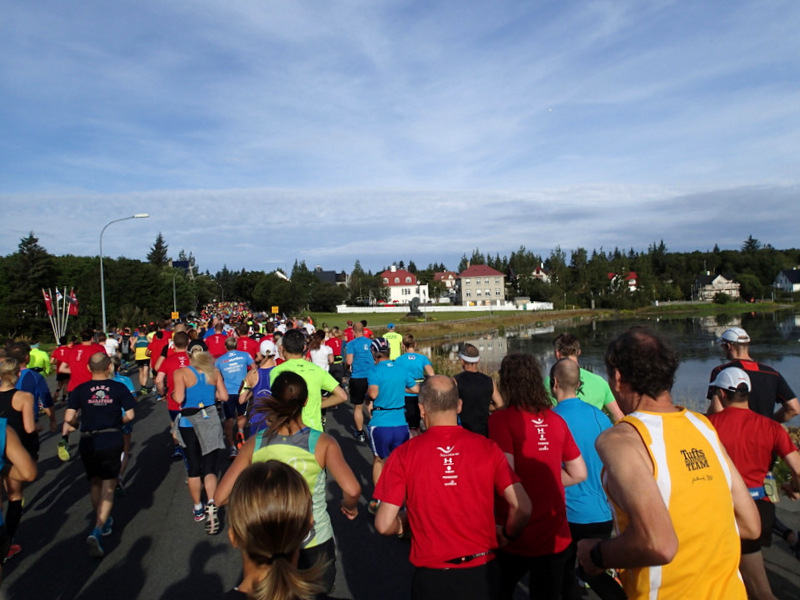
(198, 464)
(766, 510)
(62, 376)
(413, 417)
(143, 363)
(231, 408)
(103, 463)
(358, 390)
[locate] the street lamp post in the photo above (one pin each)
(102, 280)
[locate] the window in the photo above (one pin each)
(406, 292)
(466, 282)
(408, 279)
(477, 292)
(496, 281)
(397, 280)
(497, 292)
(468, 294)
(488, 292)
(386, 280)
(486, 281)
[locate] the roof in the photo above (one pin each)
(793, 275)
(390, 275)
(325, 276)
(709, 279)
(444, 275)
(480, 271)
(631, 275)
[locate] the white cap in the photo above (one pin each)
(734, 335)
(731, 378)
(268, 347)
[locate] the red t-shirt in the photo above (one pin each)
(540, 443)
(172, 363)
(368, 332)
(751, 439)
(349, 336)
(156, 346)
(216, 344)
(247, 344)
(60, 355)
(448, 477)
(77, 358)
(335, 345)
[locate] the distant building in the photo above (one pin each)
(403, 286)
(707, 286)
(630, 279)
(788, 280)
(448, 278)
(480, 285)
(331, 276)
(540, 274)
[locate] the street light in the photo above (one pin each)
(102, 281)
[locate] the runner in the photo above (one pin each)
(199, 431)
(233, 365)
(478, 392)
(105, 406)
(311, 452)
(165, 381)
(419, 367)
(140, 356)
(358, 357)
(395, 342)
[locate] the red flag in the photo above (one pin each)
(73, 304)
(48, 303)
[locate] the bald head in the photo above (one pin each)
(439, 394)
(99, 362)
(566, 376)
(358, 329)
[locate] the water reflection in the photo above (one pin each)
(775, 342)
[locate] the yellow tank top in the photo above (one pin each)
(695, 483)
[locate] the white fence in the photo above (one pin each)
(530, 306)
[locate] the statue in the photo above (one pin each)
(414, 308)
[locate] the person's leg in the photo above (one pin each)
(512, 568)
(377, 469)
(326, 553)
(105, 494)
(547, 575)
(14, 511)
(754, 574)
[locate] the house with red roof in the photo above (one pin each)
(448, 279)
(616, 280)
(403, 286)
(480, 285)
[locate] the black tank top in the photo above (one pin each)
(14, 418)
(475, 391)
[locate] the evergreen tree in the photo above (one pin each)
(158, 252)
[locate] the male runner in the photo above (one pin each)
(418, 367)
(358, 357)
(395, 342)
(478, 392)
(165, 380)
(233, 365)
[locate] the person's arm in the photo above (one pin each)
(428, 371)
(333, 460)
(744, 507)
(239, 464)
(178, 386)
(519, 511)
(161, 381)
(70, 421)
(372, 392)
(349, 359)
(650, 537)
(414, 389)
(23, 467)
(789, 409)
(338, 396)
(497, 398)
(128, 416)
(389, 520)
(792, 488)
(330, 357)
(222, 391)
(615, 411)
(25, 405)
(574, 471)
(715, 405)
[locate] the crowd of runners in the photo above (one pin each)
(490, 478)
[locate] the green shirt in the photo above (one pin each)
(395, 343)
(39, 359)
(317, 379)
(593, 390)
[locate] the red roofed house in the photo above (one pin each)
(403, 286)
(629, 278)
(479, 285)
(448, 278)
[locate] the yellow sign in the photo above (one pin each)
(175, 316)
(274, 310)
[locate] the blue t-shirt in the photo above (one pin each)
(34, 382)
(362, 357)
(126, 381)
(233, 366)
(389, 406)
(415, 365)
(586, 501)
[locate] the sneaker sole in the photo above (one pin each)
(95, 549)
(63, 454)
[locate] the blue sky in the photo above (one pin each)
(258, 132)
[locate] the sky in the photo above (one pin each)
(255, 133)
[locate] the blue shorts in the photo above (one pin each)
(385, 439)
(232, 408)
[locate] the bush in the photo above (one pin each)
(721, 298)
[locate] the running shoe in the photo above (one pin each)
(106, 529)
(13, 550)
(93, 541)
(233, 453)
(239, 439)
(373, 505)
(200, 514)
(119, 490)
(63, 451)
(177, 453)
(212, 519)
(361, 436)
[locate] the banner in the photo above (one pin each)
(48, 303)
(73, 303)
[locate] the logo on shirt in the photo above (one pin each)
(540, 427)
(449, 475)
(695, 459)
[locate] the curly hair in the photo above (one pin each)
(644, 360)
(521, 384)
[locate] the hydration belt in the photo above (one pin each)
(757, 493)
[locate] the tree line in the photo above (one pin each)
(142, 291)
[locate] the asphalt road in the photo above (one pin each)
(157, 551)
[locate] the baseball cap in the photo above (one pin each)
(469, 354)
(390, 326)
(379, 345)
(731, 378)
(268, 348)
(734, 335)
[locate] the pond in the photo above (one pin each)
(776, 342)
